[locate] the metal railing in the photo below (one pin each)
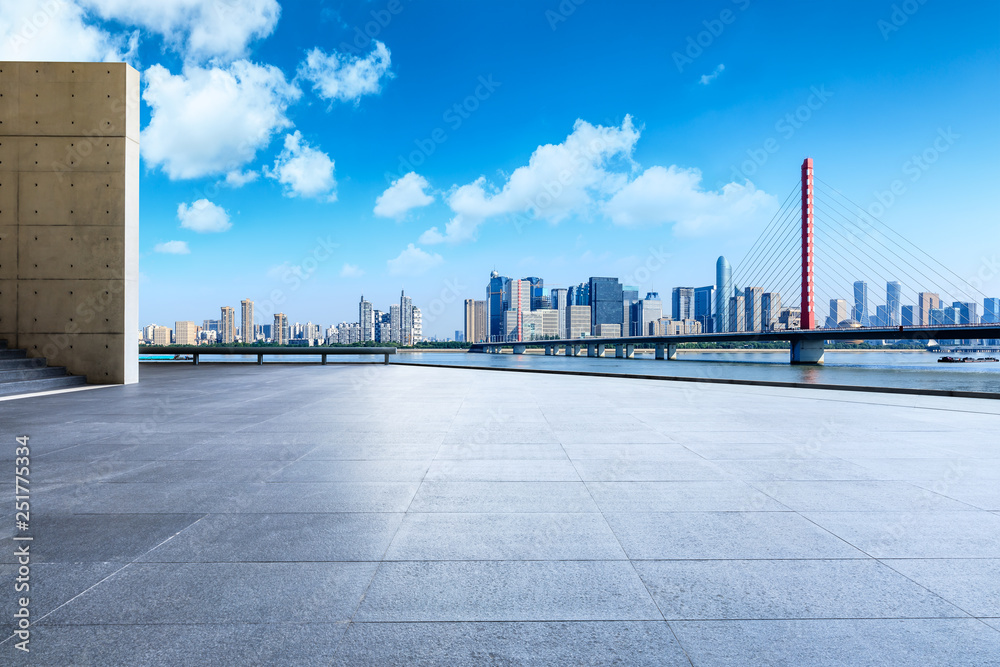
(261, 352)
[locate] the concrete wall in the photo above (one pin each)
(69, 215)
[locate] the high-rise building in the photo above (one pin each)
(682, 303)
(279, 330)
(991, 311)
(185, 333)
(751, 299)
(405, 319)
(475, 321)
(495, 291)
(210, 325)
(926, 301)
(893, 295)
(881, 317)
(724, 292)
(909, 316)
(770, 310)
(790, 318)
(630, 297)
(578, 295)
(227, 325)
(537, 298)
(559, 297)
(161, 335)
(704, 302)
(648, 313)
(860, 312)
(838, 313)
(605, 302)
(737, 314)
(968, 312)
(577, 321)
(417, 335)
(517, 301)
(395, 323)
(366, 320)
(246, 321)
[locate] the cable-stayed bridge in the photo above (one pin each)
(817, 272)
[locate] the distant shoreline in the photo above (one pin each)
(679, 350)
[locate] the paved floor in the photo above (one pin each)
(390, 515)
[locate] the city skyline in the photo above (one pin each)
(305, 206)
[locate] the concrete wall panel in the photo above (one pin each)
(8, 198)
(8, 252)
(66, 155)
(8, 309)
(70, 253)
(94, 351)
(70, 306)
(66, 99)
(69, 215)
(86, 198)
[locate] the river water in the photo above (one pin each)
(914, 370)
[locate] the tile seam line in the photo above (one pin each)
(132, 562)
(775, 619)
(364, 594)
(607, 523)
(880, 562)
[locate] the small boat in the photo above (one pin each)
(966, 360)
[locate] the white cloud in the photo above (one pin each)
(712, 76)
(413, 261)
(592, 173)
(173, 248)
(346, 77)
(559, 180)
(304, 170)
(209, 121)
(675, 195)
(404, 194)
(203, 216)
(196, 29)
(351, 271)
(237, 178)
(57, 30)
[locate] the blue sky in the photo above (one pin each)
(583, 144)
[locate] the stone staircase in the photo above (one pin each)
(21, 375)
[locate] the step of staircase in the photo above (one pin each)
(21, 375)
(43, 384)
(11, 364)
(34, 373)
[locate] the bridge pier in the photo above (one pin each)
(591, 350)
(600, 349)
(519, 349)
(629, 351)
(658, 354)
(619, 352)
(548, 351)
(671, 352)
(807, 352)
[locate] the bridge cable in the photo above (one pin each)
(931, 257)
